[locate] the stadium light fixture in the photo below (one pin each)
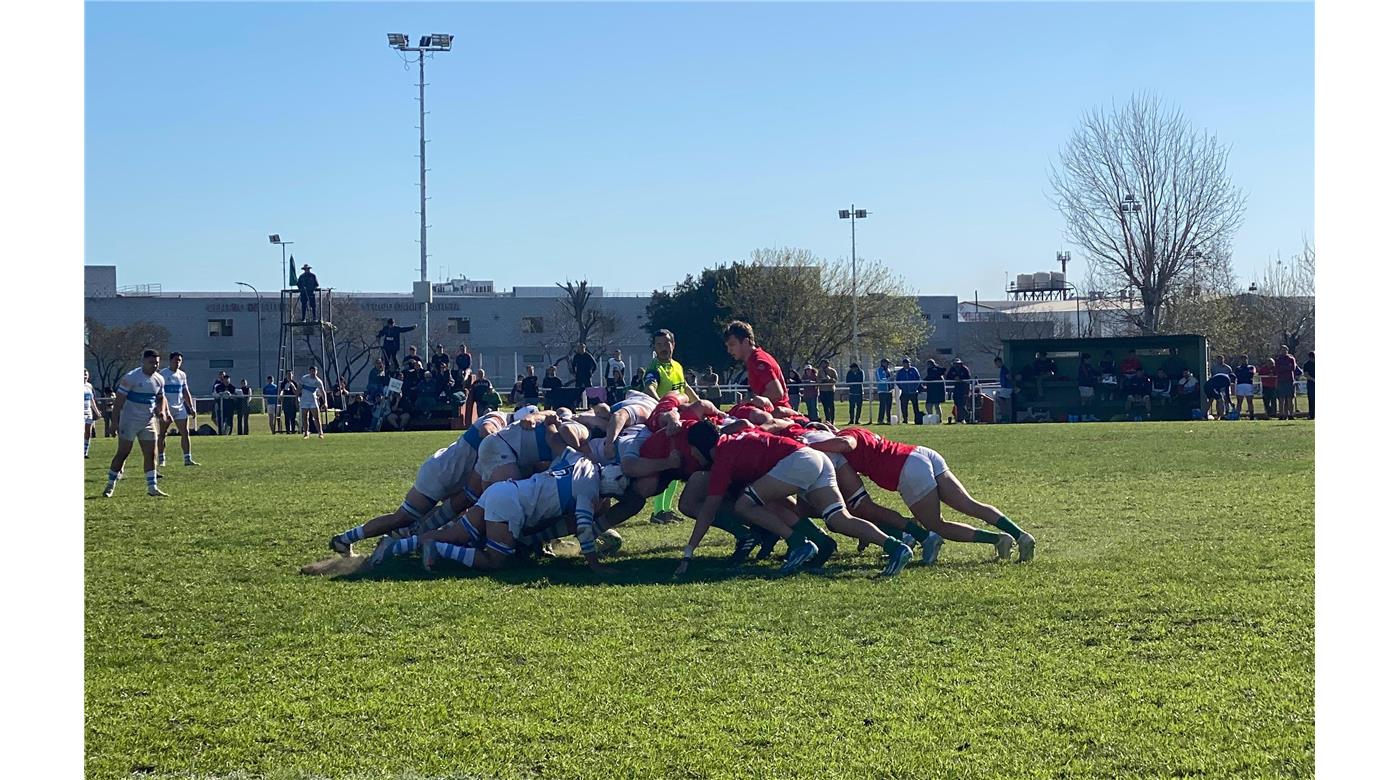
(274, 239)
(398, 40)
(440, 41)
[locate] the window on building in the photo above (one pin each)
(945, 350)
(460, 325)
(947, 316)
(532, 324)
(220, 328)
(223, 363)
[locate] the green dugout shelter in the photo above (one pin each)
(1057, 398)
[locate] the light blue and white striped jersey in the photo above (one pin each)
(175, 383)
(141, 392)
(87, 400)
(475, 432)
(571, 487)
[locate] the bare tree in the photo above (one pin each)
(574, 314)
(1287, 302)
(1145, 195)
(799, 305)
(112, 351)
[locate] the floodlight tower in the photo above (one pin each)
(276, 238)
(436, 42)
(853, 214)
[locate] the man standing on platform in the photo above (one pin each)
(389, 342)
(306, 288)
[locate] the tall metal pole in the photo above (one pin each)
(855, 339)
(422, 195)
(259, 297)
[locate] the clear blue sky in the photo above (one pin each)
(632, 143)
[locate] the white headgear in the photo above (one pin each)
(523, 412)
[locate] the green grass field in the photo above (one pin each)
(1165, 628)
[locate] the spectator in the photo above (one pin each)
(1137, 391)
(243, 401)
(909, 382)
(517, 390)
(1130, 365)
(884, 390)
(935, 389)
(392, 415)
(378, 380)
(1219, 366)
(809, 391)
(306, 290)
(826, 390)
(707, 385)
(1218, 388)
(583, 365)
(553, 387)
(1161, 387)
(1174, 365)
(855, 392)
(638, 378)
(413, 362)
(1308, 368)
(1088, 379)
(289, 392)
(1108, 376)
(1244, 384)
(1041, 368)
(389, 342)
(440, 358)
(530, 386)
(1286, 366)
(794, 389)
(269, 392)
(616, 363)
(223, 392)
(1188, 389)
(104, 405)
(359, 414)
(1006, 388)
(481, 386)
(617, 383)
(961, 377)
(463, 363)
(1268, 387)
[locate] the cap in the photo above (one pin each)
(523, 412)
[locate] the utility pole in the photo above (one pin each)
(853, 214)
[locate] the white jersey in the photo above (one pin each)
(175, 384)
(570, 487)
(640, 404)
(141, 392)
(311, 388)
(88, 397)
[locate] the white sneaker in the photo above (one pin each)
(155, 491)
(1004, 545)
(931, 546)
(1027, 548)
(191, 462)
(160, 461)
(107, 491)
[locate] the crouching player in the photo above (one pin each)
(769, 469)
(442, 483)
(486, 535)
(923, 480)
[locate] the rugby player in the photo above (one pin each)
(765, 377)
(139, 405)
(313, 400)
(768, 469)
(181, 405)
(90, 412)
(528, 445)
(922, 478)
(443, 483)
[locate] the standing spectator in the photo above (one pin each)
(826, 390)
(244, 400)
(935, 389)
(1219, 366)
(909, 383)
(1108, 376)
(884, 391)
(553, 386)
(479, 388)
(90, 411)
(961, 377)
(1244, 384)
(270, 403)
(289, 392)
(313, 402)
(413, 362)
(223, 391)
(855, 392)
(389, 342)
(1088, 379)
(306, 289)
(440, 358)
(583, 364)
(1174, 365)
(1006, 389)
(517, 390)
(1131, 364)
(463, 362)
(707, 385)
(1268, 387)
(794, 389)
(106, 400)
(530, 386)
(616, 363)
(1286, 366)
(810, 391)
(1308, 368)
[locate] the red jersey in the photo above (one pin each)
(762, 369)
(1129, 365)
(742, 458)
(1267, 376)
(669, 402)
(877, 457)
(660, 446)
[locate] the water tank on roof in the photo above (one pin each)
(1042, 280)
(1057, 280)
(1024, 281)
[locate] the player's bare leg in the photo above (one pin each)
(951, 492)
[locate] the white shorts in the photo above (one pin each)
(1244, 390)
(87, 419)
(308, 407)
(134, 429)
(179, 413)
(812, 437)
(805, 470)
(443, 475)
(630, 441)
(492, 454)
(502, 504)
(919, 477)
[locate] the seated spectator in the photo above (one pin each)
(553, 388)
(517, 389)
(616, 384)
(1130, 365)
(1161, 386)
(392, 415)
(440, 358)
(1041, 368)
(378, 379)
(637, 380)
(1108, 376)
(1137, 391)
(1088, 379)
(463, 363)
(359, 414)
(1188, 388)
